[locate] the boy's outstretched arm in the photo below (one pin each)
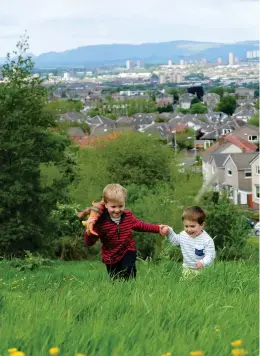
(142, 226)
(173, 237)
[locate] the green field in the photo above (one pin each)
(74, 306)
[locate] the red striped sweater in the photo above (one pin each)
(117, 239)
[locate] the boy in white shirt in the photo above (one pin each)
(197, 246)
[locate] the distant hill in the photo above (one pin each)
(148, 52)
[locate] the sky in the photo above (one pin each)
(59, 25)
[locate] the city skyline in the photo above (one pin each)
(59, 26)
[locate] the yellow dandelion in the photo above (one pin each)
(236, 343)
(197, 353)
(80, 355)
(12, 350)
(217, 330)
(239, 352)
(54, 351)
(18, 353)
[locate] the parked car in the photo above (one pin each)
(257, 228)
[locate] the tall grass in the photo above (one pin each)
(74, 306)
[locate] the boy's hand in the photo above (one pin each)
(199, 265)
(164, 230)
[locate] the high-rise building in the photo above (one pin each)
(249, 54)
(203, 61)
(179, 78)
(236, 60)
(66, 76)
(139, 63)
(231, 58)
(129, 64)
(169, 62)
(162, 78)
(219, 61)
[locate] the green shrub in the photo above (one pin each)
(227, 225)
(30, 262)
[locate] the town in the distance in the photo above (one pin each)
(208, 110)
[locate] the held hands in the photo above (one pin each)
(199, 265)
(164, 230)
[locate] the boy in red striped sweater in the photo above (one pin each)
(114, 228)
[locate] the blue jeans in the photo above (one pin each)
(125, 268)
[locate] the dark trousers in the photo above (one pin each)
(125, 268)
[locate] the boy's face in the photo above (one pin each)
(115, 208)
(193, 228)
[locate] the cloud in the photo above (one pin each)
(63, 24)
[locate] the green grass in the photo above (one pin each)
(74, 306)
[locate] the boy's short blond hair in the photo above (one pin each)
(114, 192)
(194, 213)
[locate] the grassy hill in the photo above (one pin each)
(74, 306)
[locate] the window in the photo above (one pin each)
(257, 191)
(252, 138)
(257, 168)
(226, 131)
(229, 172)
(248, 173)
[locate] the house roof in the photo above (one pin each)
(75, 132)
(241, 143)
(242, 160)
(219, 158)
(180, 127)
(256, 157)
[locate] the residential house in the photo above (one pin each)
(244, 113)
(238, 177)
(73, 116)
(255, 169)
(211, 99)
(124, 121)
(217, 173)
(157, 128)
(226, 145)
(100, 125)
(244, 93)
(247, 132)
(140, 121)
(185, 100)
(164, 100)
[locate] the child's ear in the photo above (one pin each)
(202, 225)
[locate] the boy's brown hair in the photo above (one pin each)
(194, 213)
(114, 192)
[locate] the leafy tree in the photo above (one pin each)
(218, 90)
(26, 145)
(59, 107)
(254, 120)
(227, 105)
(175, 93)
(195, 101)
(257, 104)
(167, 108)
(134, 158)
(183, 111)
(198, 108)
(184, 139)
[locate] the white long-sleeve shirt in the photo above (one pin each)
(199, 248)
